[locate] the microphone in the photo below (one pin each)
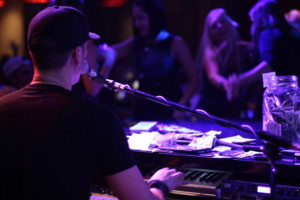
(92, 74)
(95, 76)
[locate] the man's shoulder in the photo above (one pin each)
(11, 97)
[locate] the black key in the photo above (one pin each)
(202, 177)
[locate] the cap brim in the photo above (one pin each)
(94, 36)
(234, 23)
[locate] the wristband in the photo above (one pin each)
(159, 185)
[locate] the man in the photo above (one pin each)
(51, 140)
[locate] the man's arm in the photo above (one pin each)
(130, 185)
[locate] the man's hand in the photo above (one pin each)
(171, 177)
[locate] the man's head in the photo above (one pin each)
(54, 33)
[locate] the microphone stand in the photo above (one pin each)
(260, 135)
(269, 149)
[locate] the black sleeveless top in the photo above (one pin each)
(158, 74)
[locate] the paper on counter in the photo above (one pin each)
(142, 141)
(237, 139)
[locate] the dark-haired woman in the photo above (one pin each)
(161, 62)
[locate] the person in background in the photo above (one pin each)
(275, 42)
(100, 57)
(5, 89)
(48, 145)
(221, 55)
(160, 63)
(18, 72)
(14, 78)
(293, 18)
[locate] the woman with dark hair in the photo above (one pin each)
(161, 61)
(274, 40)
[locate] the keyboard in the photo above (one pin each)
(200, 182)
(98, 196)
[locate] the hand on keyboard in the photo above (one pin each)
(171, 177)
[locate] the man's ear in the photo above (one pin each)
(77, 53)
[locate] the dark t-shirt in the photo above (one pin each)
(281, 50)
(51, 142)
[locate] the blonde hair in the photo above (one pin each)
(209, 46)
(293, 18)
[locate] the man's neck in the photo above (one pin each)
(52, 78)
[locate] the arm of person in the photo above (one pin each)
(108, 54)
(183, 55)
(95, 53)
(267, 48)
(117, 51)
(211, 68)
(130, 185)
(124, 48)
(245, 79)
(121, 172)
(254, 74)
(230, 84)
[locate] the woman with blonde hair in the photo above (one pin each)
(293, 18)
(221, 55)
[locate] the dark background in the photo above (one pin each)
(185, 18)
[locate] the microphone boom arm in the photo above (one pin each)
(260, 135)
(267, 148)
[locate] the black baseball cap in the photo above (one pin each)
(58, 29)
